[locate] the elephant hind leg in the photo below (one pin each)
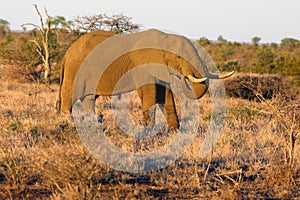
(66, 104)
(64, 107)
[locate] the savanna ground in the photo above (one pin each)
(42, 156)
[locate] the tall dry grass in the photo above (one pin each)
(42, 157)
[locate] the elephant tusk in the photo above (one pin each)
(226, 75)
(196, 80)
(214, 76)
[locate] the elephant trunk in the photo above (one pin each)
(193, 90)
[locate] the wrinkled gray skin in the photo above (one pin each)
(157, 92)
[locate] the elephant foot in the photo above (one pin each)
(173, 126)
(168, 132)
(147, 123)
(148, 119)
(67, 119)
(100, 118)
(88, 104)
(173, 122)
(171, 116)
(58, 106)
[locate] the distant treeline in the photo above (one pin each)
(273, 58)
(18, 47)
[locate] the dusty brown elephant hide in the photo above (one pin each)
(150, 94)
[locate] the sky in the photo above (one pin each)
(235, 20)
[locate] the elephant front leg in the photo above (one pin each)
(147, 94)
(170, 109)
(88, 104)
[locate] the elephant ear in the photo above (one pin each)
(159, 71)
(149, 73)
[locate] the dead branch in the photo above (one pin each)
(43, 44)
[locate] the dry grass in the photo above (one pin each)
(42, 157)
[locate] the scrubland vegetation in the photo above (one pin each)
(256, 157)
(42, 157)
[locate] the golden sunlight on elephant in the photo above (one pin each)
(193, 74)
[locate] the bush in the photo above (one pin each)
(255, 86)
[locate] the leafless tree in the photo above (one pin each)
(42, 42)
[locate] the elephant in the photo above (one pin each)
(193, 73)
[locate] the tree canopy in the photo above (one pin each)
(4, 26)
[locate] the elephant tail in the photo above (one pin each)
(61, 79)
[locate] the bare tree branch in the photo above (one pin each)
(40, 16)
(39, 49)
(33, 25)
(43, 43)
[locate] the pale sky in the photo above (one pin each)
(235, 20)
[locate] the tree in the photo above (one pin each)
(42, 43)
(265, 59)
(60, 26)
(114, 23)
(255, 40)
(59, 22)
(289, 42)
(204, 41)
(4, 26)
(221, 39)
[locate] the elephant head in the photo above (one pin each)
(194, 79)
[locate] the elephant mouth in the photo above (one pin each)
(193, 90)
